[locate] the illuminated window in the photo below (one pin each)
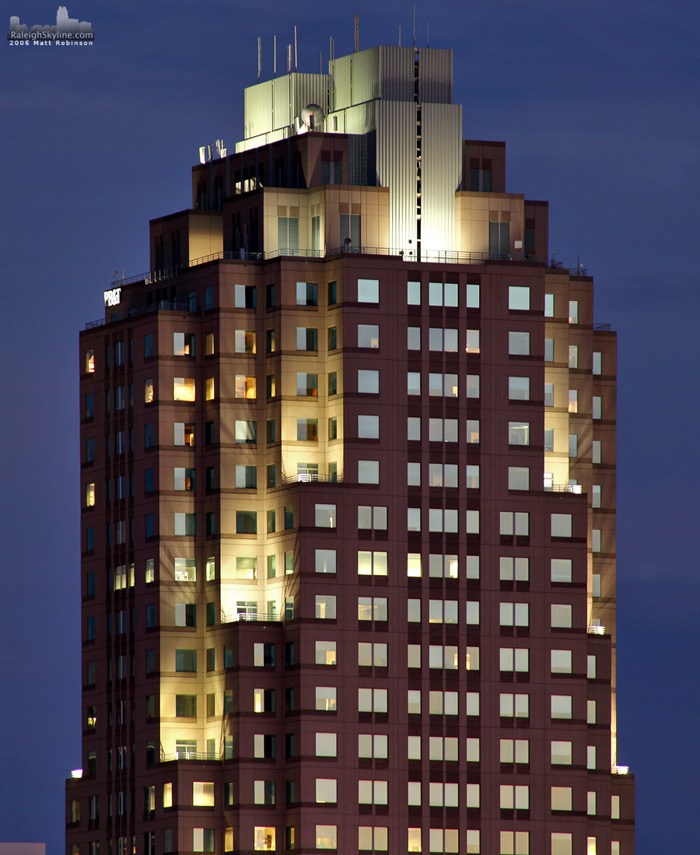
(372, 517)
(183, 389)
(518, 433)
(90, 495)
(473, 430)
(307, 430)
(372, 608)
(307, 385)
(514, 751)
(210, 389)
(373, 792)
(202, 794)
(372, 700)
(325, 516)
(514, 797)
(372, 563)
(89, 361)
(561, 706)
(326, 653)
(573, 311)
(326, 698)
(244, 341)
(185, 570)
(264, 838)
(325, 607)
(372, 654)
(326, 836)
(326, 790)
(184, 479)
(514, 843)
(247, 567)
(561, 843)
(473, 343)
(561, 525)
(245, 387)
(245, 431)
(307, 339)
(514, 569)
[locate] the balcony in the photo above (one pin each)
(596, 630)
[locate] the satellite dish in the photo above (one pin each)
(312, 116)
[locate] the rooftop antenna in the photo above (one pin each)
(274, 50)
(320, 62)
(427, 27)
(399, 35)
(259, 57)
(295, 48)
(357, 32)
(414, 25)
(289, 58)
(331, 49)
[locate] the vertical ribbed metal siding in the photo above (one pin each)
(365, 75)
(442, 173)
(396, 168)
(340, 70)
(435, 76)
(396, 73)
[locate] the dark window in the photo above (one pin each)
(499, 240)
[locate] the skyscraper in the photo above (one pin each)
(348, 482)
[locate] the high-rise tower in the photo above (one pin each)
(348, 481)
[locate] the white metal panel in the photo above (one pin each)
(396, 73)
(396, 169)
(365, 75)
(435, 76)
(441, 174)
(340, 87)
(257, 109)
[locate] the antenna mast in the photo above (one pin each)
(259, 57)
(295, 48)
(274, 50)
(357, 32)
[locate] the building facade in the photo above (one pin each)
(348, 489)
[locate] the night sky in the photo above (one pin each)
(599, 105)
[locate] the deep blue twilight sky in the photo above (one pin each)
(599, 104)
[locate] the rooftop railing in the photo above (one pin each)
(311, 477)
(431, 256)
(184, 754)
(249, 616)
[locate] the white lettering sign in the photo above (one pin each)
(113, 297)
